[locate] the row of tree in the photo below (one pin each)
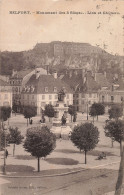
(40, 141)
(97, 109)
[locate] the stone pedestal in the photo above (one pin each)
(58, 129)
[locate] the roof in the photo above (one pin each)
(23, 73)
(73, 81)
(49, 82)
(102, 80)
(77, 82)
(3, 83)
(91, 84)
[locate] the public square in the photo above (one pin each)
(64, 166)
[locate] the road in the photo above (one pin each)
(88, 182)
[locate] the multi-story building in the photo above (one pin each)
(113, 94)
(85, 88)
(5, 94)
(43, 89)
(18, 80)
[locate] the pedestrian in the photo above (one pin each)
(69, 135)
(6, 153)
(60, 137)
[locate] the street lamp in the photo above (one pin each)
(5, 133)
(87, 110)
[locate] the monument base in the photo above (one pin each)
(61, 131)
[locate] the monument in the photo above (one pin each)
(61, 126)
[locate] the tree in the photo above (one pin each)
(75, 117)
(49, 111)
(85, 137)
(3, 139)
(115, 112)
(14, 108)
(39, 142)
(15, 137)
(98, 109)
(5, 113)
(71, 111)
(115, 130)
(29, 112)
(93, 112)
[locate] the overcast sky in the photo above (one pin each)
(22, 32)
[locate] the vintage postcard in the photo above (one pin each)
(62, 97)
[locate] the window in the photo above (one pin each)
(122, 99)
(43, 97)
(56, 96)
(32, 96)
(67, 96)
(90, 95)
(6, 96)
(94, 95)
(42, 104)
(5, 103)
(46, 89)
(50, 102)
(0, 96)
(50, 97)
(103, 98)
(67, 103)
(112, 98)
(55, 89)
(33, 103)
(16, 89)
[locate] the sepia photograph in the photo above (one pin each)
(62, 97)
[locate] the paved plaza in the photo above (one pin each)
(65, 159)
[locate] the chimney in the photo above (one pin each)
(47, 69)
(75, 72)
(55, 75)
(104, 73)
(95, 76)
(37, 73)
(70, 74)
(13, 72)
(83, 73)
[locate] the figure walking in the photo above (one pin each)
(6, 153)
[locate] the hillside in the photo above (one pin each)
(61, 55)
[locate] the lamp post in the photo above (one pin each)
(5, 132)
(87, 110)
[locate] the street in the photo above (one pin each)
(88, 182)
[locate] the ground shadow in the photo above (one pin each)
(17, 168)
(97, 153)
(24, 157)
(62, 161)
(92, 153)
(67, 151)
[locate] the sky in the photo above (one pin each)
(19, 32)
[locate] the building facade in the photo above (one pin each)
(43, 89)
(5, 94)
